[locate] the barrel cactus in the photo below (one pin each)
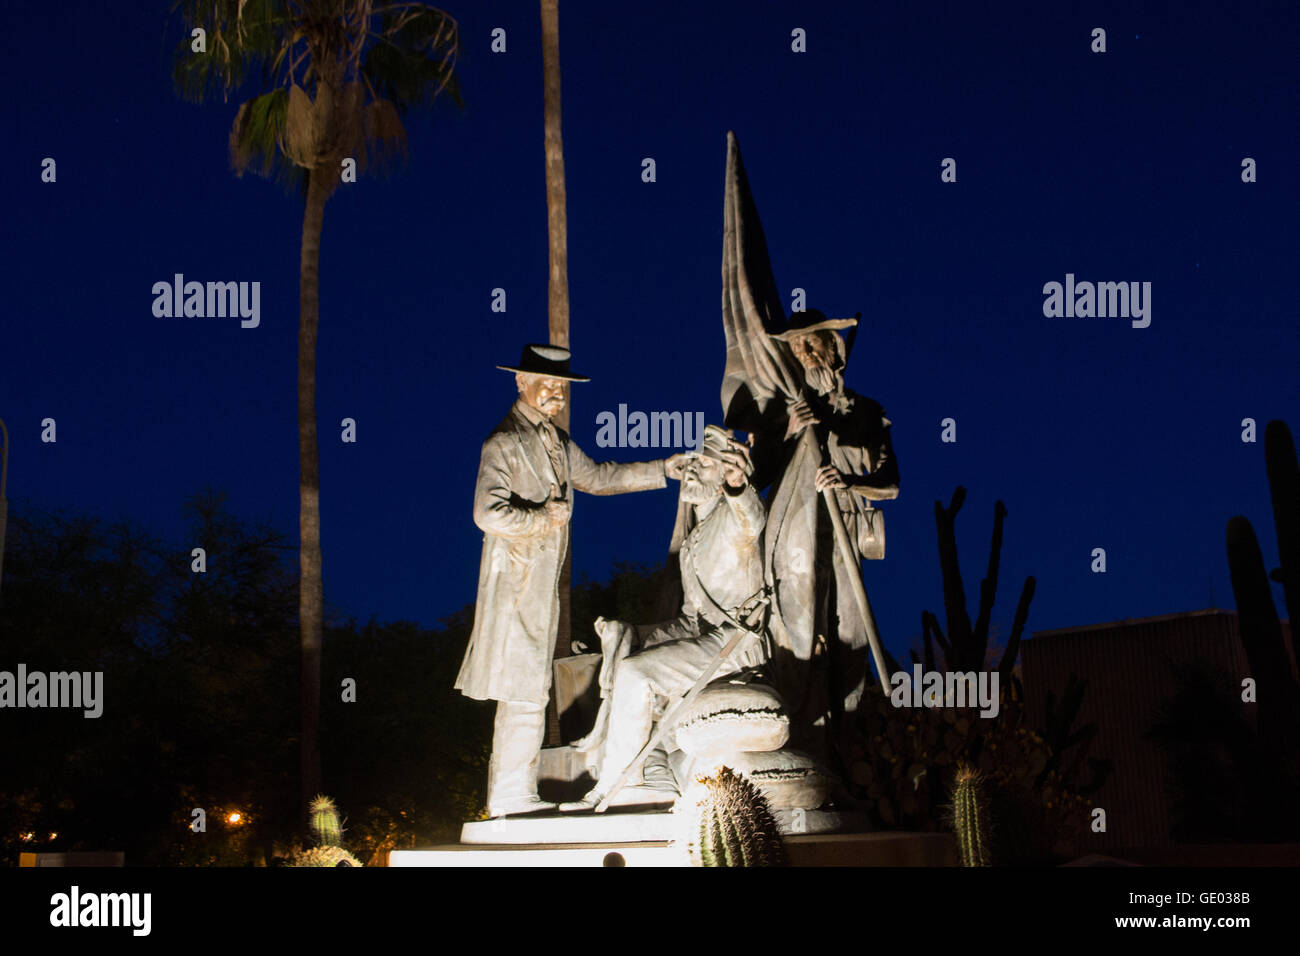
(329, 834)
(325, 822)
(730, 824)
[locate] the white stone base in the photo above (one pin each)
(831, 849)
(588, 854)
(615, 827)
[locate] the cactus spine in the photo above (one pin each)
(971, 818)
(732, 824)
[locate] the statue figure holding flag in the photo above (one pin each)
(851, 456)
(824, 453)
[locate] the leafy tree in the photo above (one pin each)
(198, 672)
(198, 705)
(416, 751)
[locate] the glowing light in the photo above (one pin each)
(28, 837)
(235, 818)
(53, 836)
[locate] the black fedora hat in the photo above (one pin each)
(811, 321)
(550, 360)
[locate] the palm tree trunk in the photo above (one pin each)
(311, 590)
(558, 289)
(556, 216)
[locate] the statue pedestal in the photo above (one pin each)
(615, 827)
(824, 849)
(462, 854)
(813, 838)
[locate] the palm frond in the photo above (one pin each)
(413, 55)
(255, 139)
(244, 38)
(377, 59)
(385, 137)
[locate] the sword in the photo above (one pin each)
(747, 612)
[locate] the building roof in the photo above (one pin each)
(1136, 622)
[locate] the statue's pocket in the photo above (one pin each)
(522, 552)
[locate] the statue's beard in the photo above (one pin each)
(823, 380)
(696, 492)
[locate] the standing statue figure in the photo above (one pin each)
(821, 661)
(522, 503)
(814, 440)
(646, 669)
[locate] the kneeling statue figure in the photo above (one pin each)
(647, 669)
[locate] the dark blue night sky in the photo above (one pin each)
(1123, 166)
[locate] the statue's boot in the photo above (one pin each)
(513, 807)
(658, 772)
(588, 802)
(515, 760)
(640, 795)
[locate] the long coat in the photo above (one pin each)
(811, 582)
(517, 612)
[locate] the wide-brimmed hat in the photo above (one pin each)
(549, 360)
(811, 321)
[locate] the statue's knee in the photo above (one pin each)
(631, 679)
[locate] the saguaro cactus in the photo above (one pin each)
(1261, 631)
(965, 646)
(732, 825)
(971, 818)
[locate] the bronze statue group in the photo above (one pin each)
(770, 536)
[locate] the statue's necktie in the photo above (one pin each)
(551, 441)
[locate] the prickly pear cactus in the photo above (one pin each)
(971, 818)
(730, 824)
(329, 834)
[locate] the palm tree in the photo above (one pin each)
(556, 215)
(336, 79)
(557, 228)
